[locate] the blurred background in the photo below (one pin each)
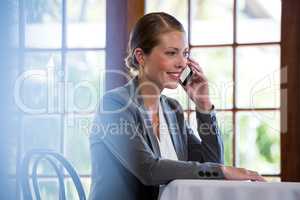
(64, 52)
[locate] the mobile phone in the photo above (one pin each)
(186, 76)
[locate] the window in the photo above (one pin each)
(237, 43)
(61, 77)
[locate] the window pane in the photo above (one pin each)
(33, 86)
(12, 148)
(39, 80)
(85, 80)
(76, 142)
(225, 125)
(41, 132)
(43, 23)
(258, 77)
(43, 168)
(211, 22)
(15, 23)
(179, 94)
(13, 188)
(49, 188)
(186, 116)
(258, 141)
(273, 179)
(258, 21)
(177, 8)
(86, 23)
(42, 60)
(71, 190)
(193, 123)
(217, 66)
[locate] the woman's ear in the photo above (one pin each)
(139, 56)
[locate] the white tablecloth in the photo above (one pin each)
(229, 190)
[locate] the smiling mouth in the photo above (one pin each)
(174, 75)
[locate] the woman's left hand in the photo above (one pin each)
(197, 87)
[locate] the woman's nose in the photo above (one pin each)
(181, 62)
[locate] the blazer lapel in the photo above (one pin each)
(150, 133)
(171, 120)
(146, 120)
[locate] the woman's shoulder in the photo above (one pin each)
(116, 93)
(121, 93)
(117, 98)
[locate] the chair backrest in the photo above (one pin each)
(58, 162)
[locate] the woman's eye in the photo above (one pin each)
(171, 53)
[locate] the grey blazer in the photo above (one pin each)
(126, 160)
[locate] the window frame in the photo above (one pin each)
(63, 50)
(235, 109)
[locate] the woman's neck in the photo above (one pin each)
(150, 93)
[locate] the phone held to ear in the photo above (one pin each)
(185, 76)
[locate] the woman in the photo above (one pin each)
(140, 140)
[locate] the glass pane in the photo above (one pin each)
(177, 8)
(77, 129)
(258, 77)
(41, 132)
(12, 148)
(12, 187)
(258, 141)
(211, 22)
(33, 86)
(43, 168)
(49, 188)
(179, 94)
(39, 80)
(14, 38)
(217, 66)
(258, 21)
(186, 116)
(273, 179)
(71, 190)
(85, 80)
(225, 124)
(193, 123)
(86, 23)
(43, 23)
(42, 60)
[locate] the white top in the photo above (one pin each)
(166, 146)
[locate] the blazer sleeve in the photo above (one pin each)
(210, 147)
(117, 128)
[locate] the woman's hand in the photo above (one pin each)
(233, 173)
(197, 87)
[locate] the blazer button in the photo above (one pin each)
(213, 118)
(208, 174)
(201, 173)
(215, 174)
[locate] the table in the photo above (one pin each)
(229, 190)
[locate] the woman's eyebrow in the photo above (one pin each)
(177, 49)
(174, 48)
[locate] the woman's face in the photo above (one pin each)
(167, 60)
